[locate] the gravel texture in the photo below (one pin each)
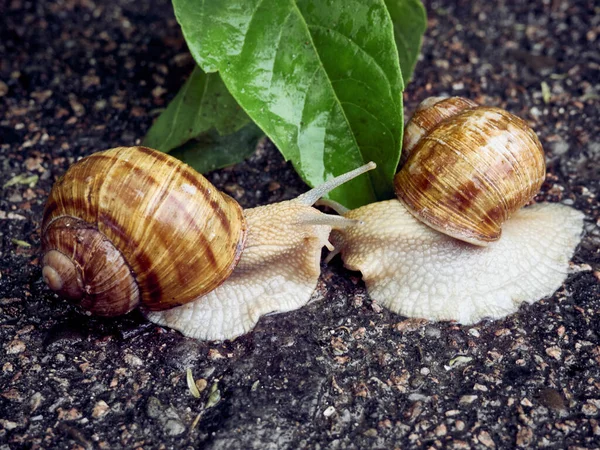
(77, 76)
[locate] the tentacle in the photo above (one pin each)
(310, 197)
(333, 252)
(335, 222)
(337, 207)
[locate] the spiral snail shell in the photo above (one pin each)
(467, 172)
(114, 236)
(132, 227)
(470, 170)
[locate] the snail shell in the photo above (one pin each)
(468, 168)
(131, 226)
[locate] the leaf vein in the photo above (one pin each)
(370, 57)
(374, 117)
(203, 98)
(258, 5)
(336, 99)
(308, 85)
(178, 109)
(277, 47)
(359, 82)
(400, 36)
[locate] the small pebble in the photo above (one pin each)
(159, 91)
(174, 427)
(154, 407)
(35, 401)
(329, 411)
(554, 352)
(15, 346)
(524, 437)
(589, 409)
(100, 409)
(526, 402)
(485, 438)
(132, 360)
(440, 430)
(8, 424)
(371, 432)
(559, 148)
(467, 399)
(201, 384)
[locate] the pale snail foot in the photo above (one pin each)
(278, 272)
(418, 272)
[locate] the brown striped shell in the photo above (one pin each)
(468, 168)
(132, 226)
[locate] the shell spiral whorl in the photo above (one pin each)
(131, 226)
(469, 168)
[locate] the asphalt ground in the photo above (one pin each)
(82, 76)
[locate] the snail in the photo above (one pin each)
(133, 227)
(456, 244)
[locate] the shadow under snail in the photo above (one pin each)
(436, 252)
(133, 227)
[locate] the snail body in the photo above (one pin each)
(437, 252)
(133, 227)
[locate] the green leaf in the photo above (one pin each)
(211, 151)
(410, 22)
(191, 383)
(22, 178)
(201, 104)
(321, 78)
(20, 243)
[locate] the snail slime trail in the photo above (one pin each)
(458, 244)
(133, 227)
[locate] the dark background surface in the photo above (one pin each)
(78, 77)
